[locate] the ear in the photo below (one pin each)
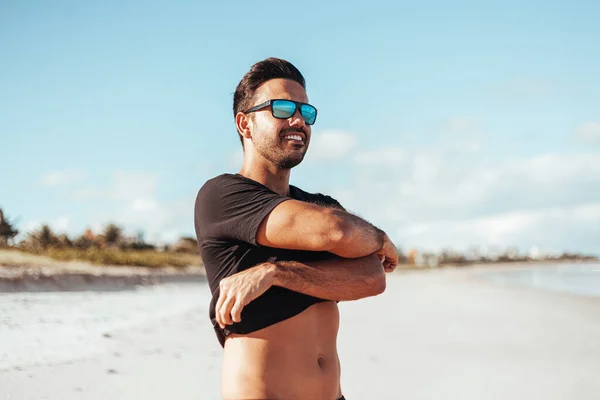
(242, 123)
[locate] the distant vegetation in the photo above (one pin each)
(7, 231)
(111, 247)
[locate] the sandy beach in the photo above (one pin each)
(434, 334)
(25, 272)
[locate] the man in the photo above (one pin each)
(278, 259)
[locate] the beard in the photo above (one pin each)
(275, 150)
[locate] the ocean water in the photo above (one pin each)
(575, 278)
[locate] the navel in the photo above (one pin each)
(321, 361)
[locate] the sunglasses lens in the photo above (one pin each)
(309, 113)
(283, 109)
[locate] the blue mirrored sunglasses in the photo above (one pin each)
(284, 109)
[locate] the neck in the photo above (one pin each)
(264, 172)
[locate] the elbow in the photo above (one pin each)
(375, 276)
(370, 277)
(371, 286)
(377, 284)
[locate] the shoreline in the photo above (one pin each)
(81, 282)
(24, 272)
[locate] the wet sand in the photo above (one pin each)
(435, 334)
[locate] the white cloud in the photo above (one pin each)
(65, 177)
(552, 229)
(87, 193)
(135, 207)
(31, 226)
(61, 225)
(390, 156)
(469, 147)
(58, 225)
(420, 189)
(460, 125)
(125, 186)
(161, 222)
(132, 185)
(144, 204)
(330, 145)
(461, 134)
(588, 132)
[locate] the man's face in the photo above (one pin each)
(277, 140)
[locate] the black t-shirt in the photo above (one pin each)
(228, 212)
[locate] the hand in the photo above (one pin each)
(388, 255)
(236, 291)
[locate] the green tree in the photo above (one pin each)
(7, 230)
(63, 241)
(112, 235)
(41, 238)
(81, 242)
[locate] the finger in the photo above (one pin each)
(392, 260)
(221, 311)
(218, 306)
(236, 310)
(220, 317)
(226, 310)
(388, 265)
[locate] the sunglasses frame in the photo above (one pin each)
(297, 103)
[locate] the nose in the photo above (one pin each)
(296, 120)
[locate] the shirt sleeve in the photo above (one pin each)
(233, 209)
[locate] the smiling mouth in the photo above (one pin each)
(294, 138)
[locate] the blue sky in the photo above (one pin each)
(448, 125)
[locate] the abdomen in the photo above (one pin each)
(295, 358)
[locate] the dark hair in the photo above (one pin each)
(261, 72)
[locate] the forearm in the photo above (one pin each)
(357, 237)
(335, 279)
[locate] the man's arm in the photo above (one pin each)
(297, 225)
(333, 279)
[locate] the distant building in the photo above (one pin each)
(426, 259)
(89, 235)
(535, 253)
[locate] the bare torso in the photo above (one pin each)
(294, 359)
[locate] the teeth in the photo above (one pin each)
(294, 137)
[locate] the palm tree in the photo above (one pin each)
(83, 242)
(7, 231)
(112, 235)
(45, 236)
(40, 239)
